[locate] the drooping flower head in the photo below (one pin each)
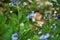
(30, 15)
(44, 37)
(53, 26)
(14, 36)
(24, 3)
(14, 2)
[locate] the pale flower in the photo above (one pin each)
(40, 23)
(14, 36)
(40, 32)
(28, 39)
(24, 4)
(11, 11)
(22, 24)
(30, 0)
(47, 35)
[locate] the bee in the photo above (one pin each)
(38, 19)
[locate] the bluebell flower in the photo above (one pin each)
(42, 37)
(14, 36)
(24, 3)
(55, 13)
(30, 15)
(14, 2)
(40, 32)
(48, 15)
(53, 26)
(28, 39)
(47, 35)
(54, 3)
(56, 18)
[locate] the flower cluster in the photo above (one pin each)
(53, 26)
(44, 37)
(14, 2)
(14, 36)
(30, 15)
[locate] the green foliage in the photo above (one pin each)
(10, 22)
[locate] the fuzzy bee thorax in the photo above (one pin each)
(38, 19)
(38, 16)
